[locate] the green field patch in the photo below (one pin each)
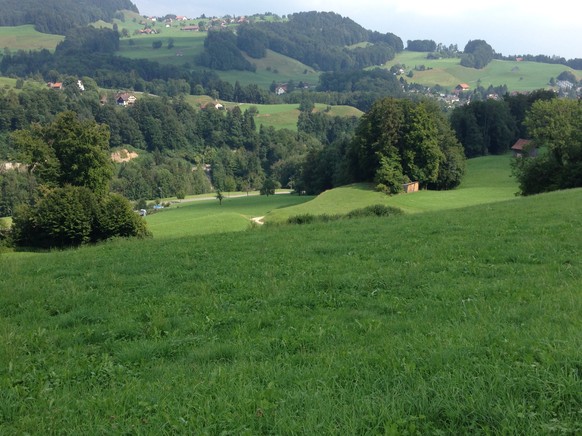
(274, 67)
(488, 180)
(7, 82)
(27, 38)
(186, 46)
(202, 217)
(279, 116)
(446, 322)
(518, 76)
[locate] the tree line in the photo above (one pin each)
(59, 16)
(319, 39)
(492, 126)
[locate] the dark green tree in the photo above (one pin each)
(555, 125)
(67, 151)
(477, 54)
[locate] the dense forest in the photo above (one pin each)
(322, 43)
(58, 16)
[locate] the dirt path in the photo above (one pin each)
(258, 220)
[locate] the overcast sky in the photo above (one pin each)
(509, 26)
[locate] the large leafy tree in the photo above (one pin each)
(477, 54)
(484, 127)
(400, 140)
(555, 126)
(68, 151)
(70, 159)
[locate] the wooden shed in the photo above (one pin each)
(410, 187)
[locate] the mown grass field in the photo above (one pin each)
(203, 217)
(453, 321)
(279, 116)
(518, 76)
(187, 45)
(27, 38)
(488, 180)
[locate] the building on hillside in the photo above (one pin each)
(190, 28)
(281, 89)
(55, 85)
(524, 148)
(125, 99)
(462, 87)
(410, 187)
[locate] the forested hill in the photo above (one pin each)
(58, 16)
(325, 41)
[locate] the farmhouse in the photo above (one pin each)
(55, 85)
(125, 99)
(462, 87)
(524, 147)
(190, 28)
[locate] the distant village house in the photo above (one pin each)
(125, 99)
(524, 148)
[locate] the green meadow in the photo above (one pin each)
(274, 67)
(488, 180)
(279, 116)
(207, 216)
(455, 320)
(187, 45)
(27, 38)
(518, 76)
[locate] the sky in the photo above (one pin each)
(510, 26)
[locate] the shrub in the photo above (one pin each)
(374, 210)
(378, 210)
(301, 219)
(116, 218)
(5, 234)
(72, 216)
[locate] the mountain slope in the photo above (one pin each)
(58, 16)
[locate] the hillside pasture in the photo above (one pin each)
(7, 82)
(457, 321)
(27, 38)
(279, 116)
(274, 67)
(488, 180)
(187, 45)
(207, 216)
(518, 76)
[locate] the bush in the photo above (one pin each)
(301, 219)
(63, 217)
(5, 234)
(117, 219)
(374, 210)
(72, 216)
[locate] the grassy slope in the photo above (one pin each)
(449, 73)
(455, 321)
(488, 180)
(279, 116)
(273, 68)
(26, 38)
(208, 216)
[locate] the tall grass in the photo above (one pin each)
(446, 322)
